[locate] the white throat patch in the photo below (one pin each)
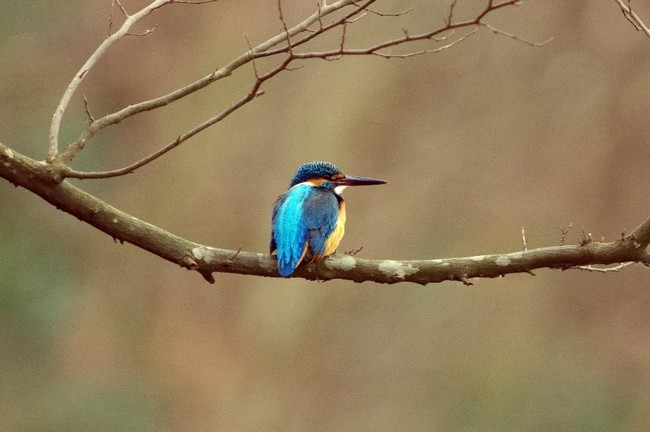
(339, 189)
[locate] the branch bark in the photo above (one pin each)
(37, 178)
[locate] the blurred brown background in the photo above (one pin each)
(476, 142)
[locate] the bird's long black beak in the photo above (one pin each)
(357, 181)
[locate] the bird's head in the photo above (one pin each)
(327, 175)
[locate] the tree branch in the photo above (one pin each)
(111, 119)
(450, 25)
(55, 125)
(34, 176)
(632, 17)
(287, 50)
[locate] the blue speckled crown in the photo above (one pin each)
(313, 170)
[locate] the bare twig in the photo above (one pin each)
(145, 32)
(349, 17)
(586, 238)
(160, 152)
(250, 50)
(119, 4)
(75, 147)
(354, 250)
(287, 48)
(592, 268)
(110, 19)
(234, 256)
(632, 16)
(320, 21)
(523, 237)
(407, 38)
(385, 14)
(284, 27)
(564, 231)
(343, 33)
(422, 52)
(252, 94)
(193, 2)
(641, 235)
(90, 117)
(450, 16)
(55, 126)
(517, 38)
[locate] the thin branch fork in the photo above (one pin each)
(407, 38)
(252, 94)
(55, 126)
(75, 147)
(263, 50)
(632, 16)
(94, 126)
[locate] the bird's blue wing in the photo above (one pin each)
(321, 210)
(290, 234)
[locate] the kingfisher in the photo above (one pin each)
(308, 220)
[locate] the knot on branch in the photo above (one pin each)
(55, 170)
(189, 263)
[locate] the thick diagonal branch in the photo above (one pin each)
(34, 176)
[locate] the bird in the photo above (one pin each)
(308, 220)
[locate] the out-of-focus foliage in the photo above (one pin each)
(476, 142)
